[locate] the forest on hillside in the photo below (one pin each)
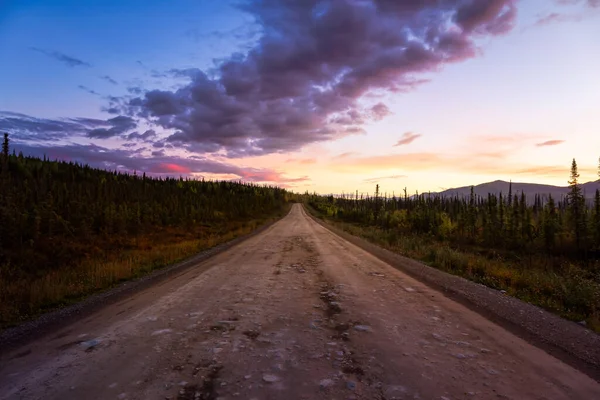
(60, 221)
(547, 251)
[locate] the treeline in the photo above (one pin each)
(54, 214)
(567, 228)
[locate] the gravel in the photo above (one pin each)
(47, 323)
(568, 341)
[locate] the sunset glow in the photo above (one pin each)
(326, 96)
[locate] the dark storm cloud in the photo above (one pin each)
(302, 80)
(65, 59)
(159, 164)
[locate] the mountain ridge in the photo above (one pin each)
(530, 189)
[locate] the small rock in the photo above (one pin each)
(90, 344)
(269, 378)
(325, 383)
(582, 323)
(362, 328)
(247, 376)
(161, 332)
(394, 392)
(503, 291)
(122, 396)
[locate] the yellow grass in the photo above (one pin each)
(24, 298)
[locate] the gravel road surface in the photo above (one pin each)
(295, 312)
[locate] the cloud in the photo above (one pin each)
(407, 138)
(550, 143)
(117, 126)
(383, 178)
(146, 136)
(471, 163)
(65, 59)
(109, 79)
(304, 161)
(589, 3)
(87, 89)
(556, 18)
(345, 155)
(159, 164)
(379, 111)
(26, 128)
(303, 79)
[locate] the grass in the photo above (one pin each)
(559, 286)
(23, 297)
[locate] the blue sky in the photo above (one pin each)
(110, 35)
(534, 82)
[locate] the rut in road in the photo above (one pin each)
(293, 313)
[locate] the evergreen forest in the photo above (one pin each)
(546, 251)
(67, 230)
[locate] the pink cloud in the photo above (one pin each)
(550, 143)
(407, 138)
(171, 168)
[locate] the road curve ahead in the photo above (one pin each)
(293, 313)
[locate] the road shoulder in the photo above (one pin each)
(15, 337)
(565, 340)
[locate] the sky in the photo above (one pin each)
(329, 96)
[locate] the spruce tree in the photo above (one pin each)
(5, 146)
(597, 219)
(5, 153)
(550, 225)
(576, 206)
(597, 213)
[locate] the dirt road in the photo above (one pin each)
(293, 313)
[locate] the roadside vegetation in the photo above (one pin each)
(546, 253)
(68, 230)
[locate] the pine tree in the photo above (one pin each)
(550, 225)
(597, 213)
(5, 146)
(5, 153)
(597, 219)
(576, 206)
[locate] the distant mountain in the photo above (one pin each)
(530, 190)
